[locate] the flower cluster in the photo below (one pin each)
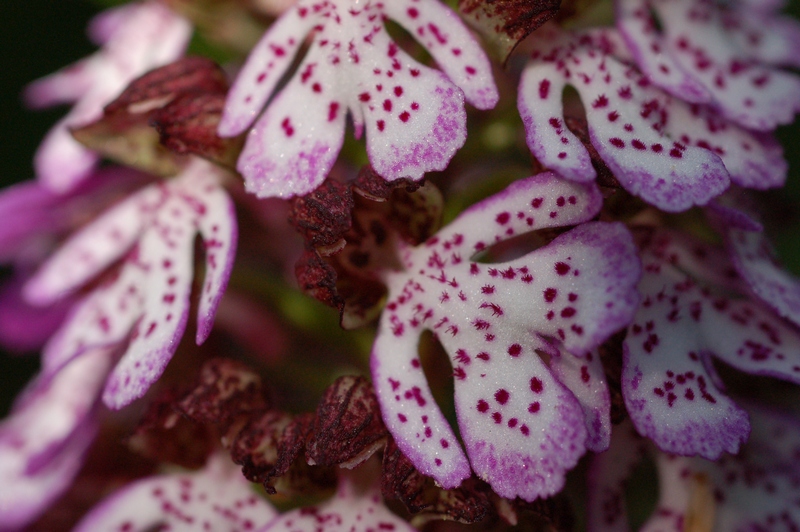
(616, 301)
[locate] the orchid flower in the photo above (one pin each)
(215, 498)
(522, 426)
(671, 389)
(42, 217)
(136, 38)
(669, 153)
(356, 507)
(146, 298)
(755, 490)
(724, 56)
(414, 115)
(43, 442)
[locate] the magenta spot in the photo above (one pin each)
(428, 432)
(483, 406)
(617, 142)
(414, 72)
(412, 12)
(403, 418)
(398, 91)
(387, 105)
(502, 218)
(584, 374)
(562, 268)
(444, 443)
(550, 294)
(470, 70)
(497, 417)
(567, 312)
(657, 148)
(415, 363)
(514, 350)
(536, 385)
(534, 407)
(381, 125)
(316, 87)
(333, 111)
(364, 96)
(404, 116)
(483, 356)
(537, 202)
(501, 396)
(524, 430)
(544, 88)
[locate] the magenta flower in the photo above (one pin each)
(145, 298)
(44, 440)
(671, 154)
(357, 506)
(135, 38)
(414, 115)
(671, 390)
(521, 422)
(216, 497)
(754, 490)
(722, 55)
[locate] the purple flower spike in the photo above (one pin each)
(414, 115)
(215, 498)
(669, 153)
(43, 442)
(670, 388)
(704, 53)
(521, 424)
(147, 297)
(356, 507)
(136, 39)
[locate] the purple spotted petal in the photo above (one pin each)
(608, 479)
(756, 490)
(356, 507)
(630, 124)
(448, 40)
(43, 442)
(698, 43)
(150, 36)
(491, 318)
(94, 248)
(755, 261)
(414, 116)
(585, 378)
(145, 299)
(215, 498)
(669, 385)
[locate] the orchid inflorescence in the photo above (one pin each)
(603, 289)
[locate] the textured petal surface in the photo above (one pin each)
(669, 385)
(145, 299)
(215, 498)
(43, 441)
(697, 45)
(630, 124)
(414, 116)
(356, 507)
(491, 319)
(585, 378)
(150, 36)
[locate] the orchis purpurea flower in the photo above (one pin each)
(356, 507)
(696, 307)
(135, 39)
(216, 497)
(44, 440)
(722, 54)
(414, 115)
(522, 425)
(671, 154)
(145, 298)
(754, 490)
(41, 218)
